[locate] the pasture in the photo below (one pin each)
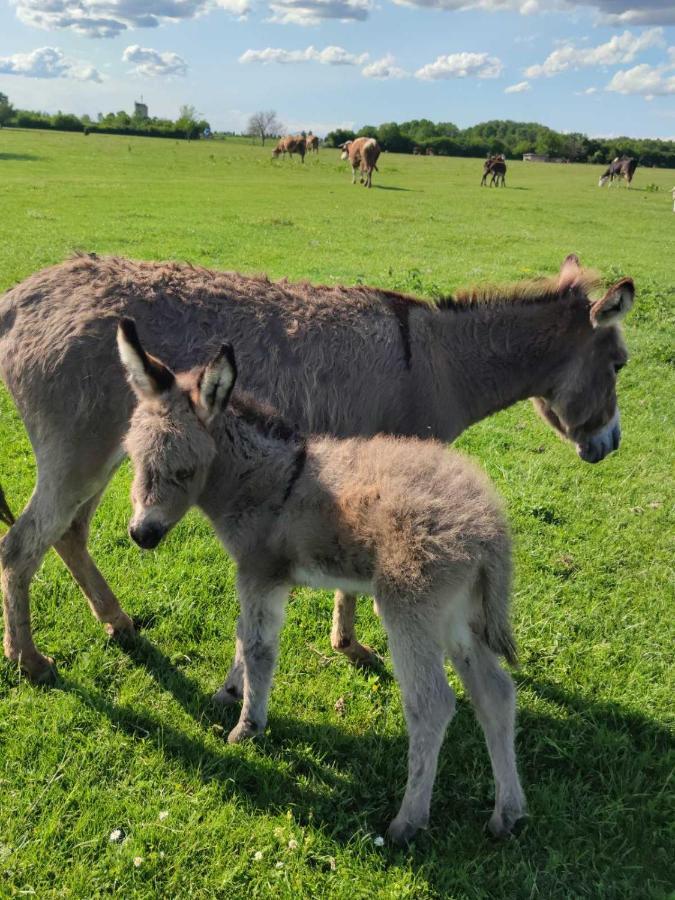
(128, 740)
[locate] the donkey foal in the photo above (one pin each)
(404, 520)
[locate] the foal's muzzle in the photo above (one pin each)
(147, 535)
(603, 442)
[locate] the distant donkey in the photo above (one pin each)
(339, 360)
(495, 166)
(406, 521)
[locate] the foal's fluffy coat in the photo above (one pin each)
(405, 520)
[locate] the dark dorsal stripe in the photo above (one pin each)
(400, 307)
(296, 471)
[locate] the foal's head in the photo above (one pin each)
(168, 442)
(581, 403)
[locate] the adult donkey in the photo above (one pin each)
(343, 360)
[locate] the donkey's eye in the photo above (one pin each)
(184, 474)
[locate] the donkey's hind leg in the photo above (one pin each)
(72, 548)
(428, 704)
(493, 695)
(343, 636)
(39, 526)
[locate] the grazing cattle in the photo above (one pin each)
(430, 151)
(495, 166)
(620, 167)
(403, 520)
(403, 364)
(362, 153)
(312, 143)
(417, 151)
(291, 144)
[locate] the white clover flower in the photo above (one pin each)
(164, 814)
(292, 844)
(378, 841)
(258, 855)
(279, 865)
(116, 836)
(138, 861)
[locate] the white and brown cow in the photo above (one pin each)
(291, 144)
(362, 153)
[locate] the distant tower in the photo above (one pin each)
(140, 110)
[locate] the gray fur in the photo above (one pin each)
(418, 527)
(337, 360)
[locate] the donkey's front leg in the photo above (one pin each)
(260, 621)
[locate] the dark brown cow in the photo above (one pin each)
(620, 167)
(291, 144)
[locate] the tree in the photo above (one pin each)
(264, 124)
(6, 110)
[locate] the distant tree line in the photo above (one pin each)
(511, 138)
(188, 125)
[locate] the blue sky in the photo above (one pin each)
(604, 67)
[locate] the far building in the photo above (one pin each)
(140, 110)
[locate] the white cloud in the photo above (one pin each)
(108, 18)
(525, 7)
(47, 62)
(622, 48)
(153, 63)
(384, 68)
(329, 56)
(648, 81)
(461, 65)
(313, 12)
(519, 88)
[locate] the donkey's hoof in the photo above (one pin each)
(39, 669)
(360, 655)
(123, 629)
(401, 832)
(227, 695)
(507, 823)
(243, 731)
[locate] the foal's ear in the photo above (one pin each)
(611, 308)
(217, 380)
(147, 376)
(569, 272)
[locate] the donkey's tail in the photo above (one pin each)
(6, 514)
(495, 582)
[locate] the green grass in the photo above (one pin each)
(129, 734)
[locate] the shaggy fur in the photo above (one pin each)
(338, 360)
(416, 526)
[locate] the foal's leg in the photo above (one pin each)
(428, 704)
(260, 621)
(343, 637)
(72, 548)
(494, 698)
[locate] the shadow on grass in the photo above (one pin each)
(593, 771)
(20, 157)
(390, 187)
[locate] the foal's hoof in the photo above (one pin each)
(39, 669)
(227, 695)
(123, 629)
(243, 731)
(401, 832)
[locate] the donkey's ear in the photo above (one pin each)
(611, 308)
(147, 376)
(569, 272)
(217, 380)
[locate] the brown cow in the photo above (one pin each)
(312, 143)
(362, 153)
(291, 144)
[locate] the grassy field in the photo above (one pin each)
(128, 739)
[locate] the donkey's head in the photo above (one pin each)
(168, 441)
(581, 403)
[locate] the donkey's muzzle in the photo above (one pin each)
(147, 535)
(604, 442)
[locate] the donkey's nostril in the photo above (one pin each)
(147, 535)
